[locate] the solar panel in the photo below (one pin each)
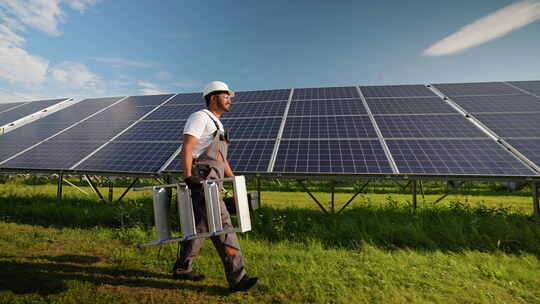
(170, 130)
(264, 95)
(480, 88)
(257, 109)
(25, 110)
(53, 155)
(187, 98)
(7, 151)
(243, 156)
(501, 103)
(409, 106)
(129, 157)
(529, 147)
(422, 126)
(325, 93)
(329, 127)
(261, 128)
(532, 86)
(94, 130)
(455, 157)
(147, 100)
(512, 125)
(397, 91)
(174, 112)
(122, 111)
(80, 110)
(331, 156)
(4, 107)
(327, 107)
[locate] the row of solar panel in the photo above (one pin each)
(345, 156)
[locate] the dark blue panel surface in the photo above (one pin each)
(94, 130)
(53, 155)
(512, 125)
(479, 88)
(397, 91)
(256, 109)
(409, 106)
(336, 156)
(9, 150)
(25, 110)
(170, 130)
(264, 95)
(532, 86)
(530, 148)
(80, 110)
(422, 126)
(501, 103)
(33, 132)
(247, 128)
(187, 98)
(123, 110)
(327, 107)
(4, 107)
(130, 157)
(148, 100)
(243, 156)
(459, 157)
(329, 127)
(325, 93)
(174, 112)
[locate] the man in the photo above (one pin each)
(204, 156)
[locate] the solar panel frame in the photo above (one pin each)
(380, 106)
(455, 157)
(331, 157)
(393, 91)
(427, 126)
(328, 127)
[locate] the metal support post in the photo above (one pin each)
(93, 186)
(333, 188)
(127, 190)
(313, 197)
(535, 197)
(421, 189)
(59, 190)
(111, 186)
(413, 187)
(259, 189)
(354, 196)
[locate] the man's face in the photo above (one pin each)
(223, 101)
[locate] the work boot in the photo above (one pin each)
(245, 283)
(189, 276)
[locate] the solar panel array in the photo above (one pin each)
(404, 129)
(11, 112)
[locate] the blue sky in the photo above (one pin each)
(93, 48)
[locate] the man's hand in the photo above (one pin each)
(193, 182)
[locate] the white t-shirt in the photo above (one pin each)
(200, 125)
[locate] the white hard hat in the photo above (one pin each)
(216, 86)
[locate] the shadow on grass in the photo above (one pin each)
(35, 277)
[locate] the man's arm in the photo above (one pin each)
(227, 170)
(187, 154)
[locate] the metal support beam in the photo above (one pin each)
(354, 196)
(535, 197)
(127, 189)
(313, 197)
(259, 189)
(422, 189)
(111, 187)
(413, 190)
(75, 186)
(333, 189)
(59, 189)
(93, 186)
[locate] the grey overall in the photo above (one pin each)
(226, 244)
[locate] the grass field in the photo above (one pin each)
(481, 246)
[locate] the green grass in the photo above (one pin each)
(478, 247)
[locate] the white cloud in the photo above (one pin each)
(42, 15)
(152, 92)
(16, 64)
(118, 62)
(74, 75)
(487, 28)
(149, 88)
(11, 96)
(163, 76)
(147, 85)
(187, 84)
(80, 5)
